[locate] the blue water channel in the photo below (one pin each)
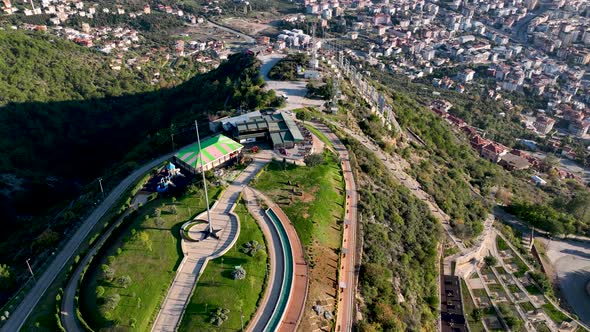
(275, 319)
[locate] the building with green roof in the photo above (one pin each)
(217, 151)
(277, 128)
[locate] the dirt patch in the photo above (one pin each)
(308, 196)
(323, 285)
(249, 27)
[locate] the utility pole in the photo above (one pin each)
(242, 318)
(172, 139)
(101, 189)
(30, 270)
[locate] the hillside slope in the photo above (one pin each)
(43, 68)
(55, 143)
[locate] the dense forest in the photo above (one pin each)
(43, 68)
(561, 216)
(286, 68)
(398, 274)
(87, 120)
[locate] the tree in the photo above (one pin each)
(477, 314)
(252, 247)
(513, 323)
(219, 316)
(550, 162)
(144, 238)
(504, 196)
(6, 278)
(111, 301)
(173, 209)
(303, 115)
(238, 273)
(314, 159)
(124, 281)
(48, 238)
(490, 261)
(99, 291)
(107, 272)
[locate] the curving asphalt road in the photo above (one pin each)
(68, 316)
(22, 312)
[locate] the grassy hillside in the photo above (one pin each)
(44, 68)
(89, 121)
(149, 253)
(316, 215)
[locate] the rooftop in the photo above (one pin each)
(213, 148)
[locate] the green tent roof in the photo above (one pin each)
(213, 149)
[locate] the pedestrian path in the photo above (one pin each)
(292, 303)
(197, 254)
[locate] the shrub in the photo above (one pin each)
(99, 291)
(251, 248)
(238, 273)
(124, 281)
(107, 272)
(314, 159)
(111, 302)
(219, 316)
(490, 261)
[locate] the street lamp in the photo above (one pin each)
(30, 270)
(101, 189)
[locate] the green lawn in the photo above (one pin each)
(533, 290)
(217, 289)
(497, 288)
(542, 327)
(501, 270)
(555, 314)
(501, 244)
(151, 271)
(319, 134)
(522, 267)
(468, 305)
(315, 214)
(480, 292)
(514, 289)
(527, 306)
(43, 317)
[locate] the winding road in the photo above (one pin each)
(19, 316)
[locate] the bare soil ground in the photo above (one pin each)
(248, 26)
(323, 283)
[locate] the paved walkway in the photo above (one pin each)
(348, 261)
(197, 254)
(276, 270)
(296, 303)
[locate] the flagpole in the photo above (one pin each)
(204, 180)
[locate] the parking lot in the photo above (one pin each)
(295, 91)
